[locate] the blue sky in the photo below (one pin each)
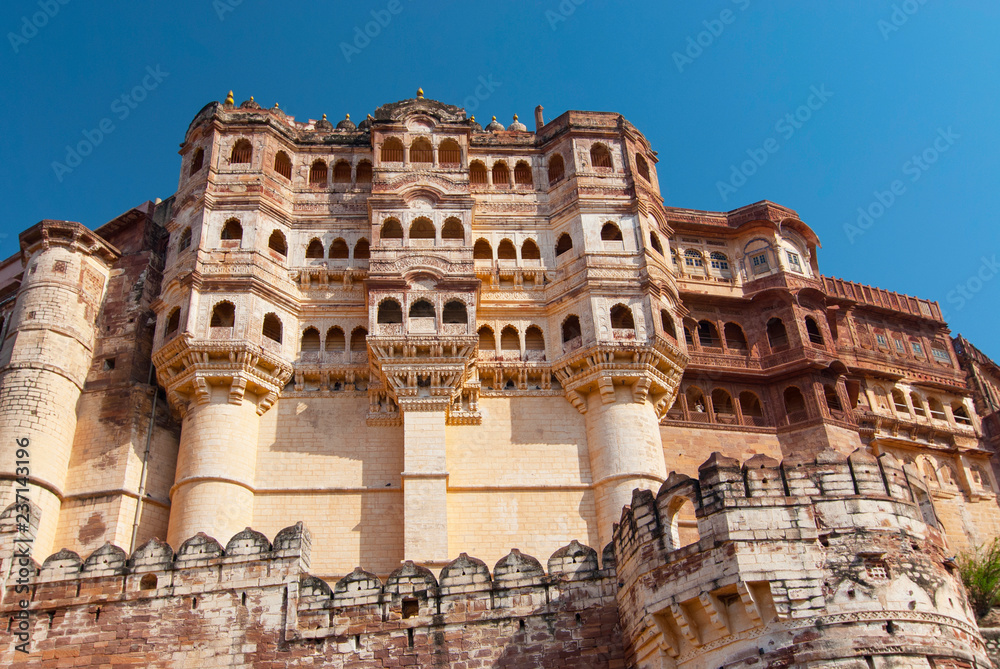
(905, 125)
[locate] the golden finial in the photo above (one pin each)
(420, 94)
(229, 99)
(473, 119)
(348, 117)
(324, 117)
(276, 106)
(494, 118)
(251, 98)
(515, 117)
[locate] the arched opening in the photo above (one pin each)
(335, 340)
(621, 318)
(694, 259)
(506, 250)
(720, 263)
(812, 329)
(667, 323)
(482, 250)
(422, 309)
(315, 249)
(283, 165)
(453, 230)
(777, 336)
(310, 340)
(391, 229)
(422, 228)
(697, 407)
(455, 313)
(750, 407)
(242, 152)
(683, 523)
(359, 340)
(529, 251)
(642, 167)
(937, 409)
(534, 340)
(339, 250)
(363, 173)
(899, 402)
(501, 174)
(487, 342)
(477, 174)
(961, 414)
(173, 322)
(232, 231)
(654, 242)
(832, 398)
(392, 150)
(522, 174)
(389, 311)
(276, 242)
(689, 328)
(918, 406)
(708, 335)
(509, 339)
(735, 339)
(342, 172)
(571, 333)
(317, 173)
(600, 157)
(197, 160)
(563, 244)
(611, 232)
(557, 169)
(271, 328)
(223, 315)
(421, 151)
(795, 404)
(449, 154)
(148, 582)
(362, 250)
(722, 404)
(185, 241)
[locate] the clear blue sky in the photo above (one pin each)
(895, 84)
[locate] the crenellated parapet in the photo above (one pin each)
(834, 560)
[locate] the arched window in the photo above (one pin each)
(455, 312)
(342, 172)
(317, 173)
(600, 157)
(283, 164)
(668, 324)
(563, 244)
(611, 232)
(223, 315)
(271, 328)
(682, 523)
(506, 250)
(197, 160)
(812, 329)
(389, 311)
(621, 318)
(501, 174)
(509, 339)
(795, 404)
(363, 174)
(310, 340)
(242, 152)
(918, 406)
(453, 230)
(695, 400)
(421, 151)
(654, 242)
(422, 228)
(753, 413)
(899, 402)
(359, 340)
(571, 329)
(449, 153)
(642, 167)
(232, 230)
(960, 413)
(185, 241)
(392, 151)
(708, 335)
(735, 339)
(693, 258)
(173, 322)
(339, 250)
(422, 309)
(722, 404)
(391, 229)
(522, 174)
(529, 251)
(832, 398)
(335, 340)
(534, 340)
(937, 409)
(477, 173)
(487, 342)
(557, 169)
(362, 250)
(777, 336)
(482, 250)
(315, 249)
(276, 242)
(720, 263)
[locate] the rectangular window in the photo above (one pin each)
(899, 346)
(759, 263)
(693, 261)
(882, 341)
(918, 350)
(793, 261)
(719, 264)
(940, 354)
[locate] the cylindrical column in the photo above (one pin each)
(216, 463)
(626, 452)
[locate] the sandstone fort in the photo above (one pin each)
(426, 391)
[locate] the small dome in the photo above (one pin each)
(475, 124)
(494, 126)
(347, 124)
(323, 124)
(277, 110)
(366, 124)
(517, 126)
(250, 104)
